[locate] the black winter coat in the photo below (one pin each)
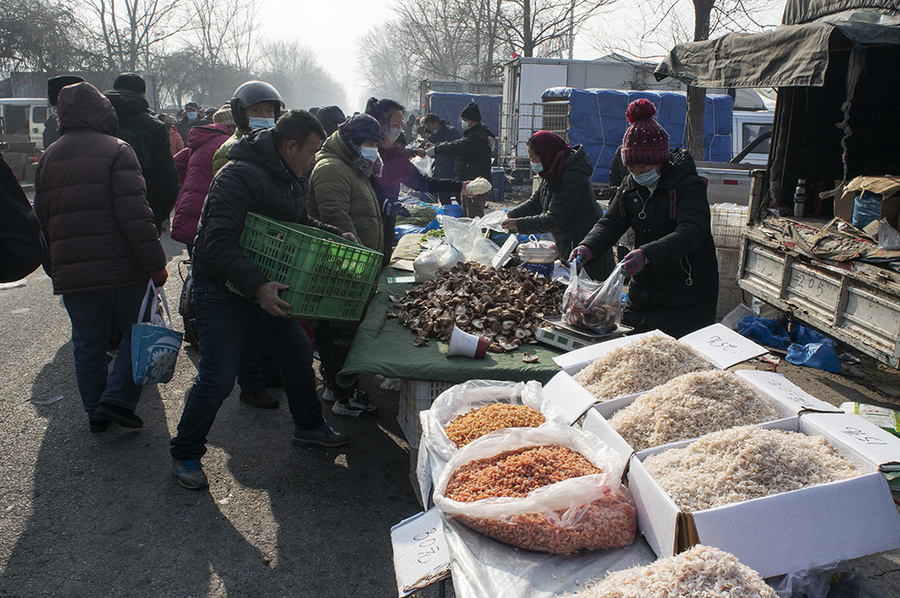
(565, 206)
(254, 180)
(22, 246)
(149, 138)
(443, 167)
(678, 290)
(472, 153)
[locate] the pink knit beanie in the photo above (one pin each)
(645, 142)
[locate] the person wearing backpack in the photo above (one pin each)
(675, 274)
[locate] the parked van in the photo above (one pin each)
(24, 116)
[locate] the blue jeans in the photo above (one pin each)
(90, 314)
(227, 322)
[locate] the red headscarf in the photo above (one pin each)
(553, 151)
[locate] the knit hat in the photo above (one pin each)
(552, 150)
(330, 117)
(645, 141)
(57, 83)
(361, 128)
(223, 116)
(131, 82)
(193, 105)
(471, 112)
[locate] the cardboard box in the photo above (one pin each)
(792, 531)
(886, 186)
(722, 346)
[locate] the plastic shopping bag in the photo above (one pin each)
(590, 511)
(154, 344)
(592, 305)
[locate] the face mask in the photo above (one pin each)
(392, 134)
(646, 179)
(257, 122)
(464, 124)
(369, 153)
(192, 115)
(537, 167)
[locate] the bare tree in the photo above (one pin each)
(386, 65)
(530, 26)
(298, 76)
(131, 30)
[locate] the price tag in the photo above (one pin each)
(420, 551)
(779, 387)
(722, 346)
(401, 279)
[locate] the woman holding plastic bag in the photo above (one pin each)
(675, 277)
(564, 204)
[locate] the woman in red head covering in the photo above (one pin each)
(564, 204)
(675, 276)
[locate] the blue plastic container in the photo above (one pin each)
(452, 210)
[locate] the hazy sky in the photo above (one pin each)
(332, 29)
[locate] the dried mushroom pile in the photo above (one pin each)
(506, 306)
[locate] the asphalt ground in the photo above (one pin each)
(99, 515)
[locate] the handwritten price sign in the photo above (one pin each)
(420, 551)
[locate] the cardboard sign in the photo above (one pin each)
(777, 386)
(722, 346)
(420, 552)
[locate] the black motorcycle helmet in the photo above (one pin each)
(252, 92)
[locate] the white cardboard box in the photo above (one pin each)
(721, 345)
(792, 531)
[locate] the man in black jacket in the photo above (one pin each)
(266, 174)
(473, 156)
(22, 246)
(440, 131)
(149, 137)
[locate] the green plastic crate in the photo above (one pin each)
(329, 277)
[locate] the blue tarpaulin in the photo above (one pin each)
(449, 105)
(597, 121)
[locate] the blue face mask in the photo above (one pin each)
(537, 167)
(369, 153)
(646, 179)
(191, 115)
(257, 122)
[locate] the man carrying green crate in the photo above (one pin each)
(264, 175)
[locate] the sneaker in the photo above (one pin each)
(260, 399)
(119, 415)
(189, 473)
(328, 395)
(324, 435)
(360, 400)
(346, 408)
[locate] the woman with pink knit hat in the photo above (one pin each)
(675, 275)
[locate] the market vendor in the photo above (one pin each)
(675, 278)
(564, 204)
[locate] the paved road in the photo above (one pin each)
(100, 514)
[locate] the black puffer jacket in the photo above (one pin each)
(22, 246)
(472, 153)
(254, 180)
(149, 138)
(678, 289)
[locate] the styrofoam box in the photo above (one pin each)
(722, 346)
(416, 396)
(792, 531)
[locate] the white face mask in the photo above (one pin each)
(392, 134)
(257, 122)
(369, 153)
(464, 124)
(192, 115)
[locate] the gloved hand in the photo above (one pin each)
(634, 262)
(392, 206)
(159, 277)
(582, 252)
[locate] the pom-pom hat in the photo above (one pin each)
(645, 141)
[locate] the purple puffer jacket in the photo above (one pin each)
(195, 173)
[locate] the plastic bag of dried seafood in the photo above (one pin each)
(550, 489)
(592, 305)
(464, 406)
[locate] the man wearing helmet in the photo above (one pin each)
(255, 105)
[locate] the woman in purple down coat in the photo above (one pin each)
(195, 173)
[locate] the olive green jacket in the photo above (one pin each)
(219, 159)
(341, 195)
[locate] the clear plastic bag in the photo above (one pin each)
(587, 512)
(591, 305)
(479, 186)
(464, 397)
(466, 236)
(444, 256)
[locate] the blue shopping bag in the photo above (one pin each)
(154, 344)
